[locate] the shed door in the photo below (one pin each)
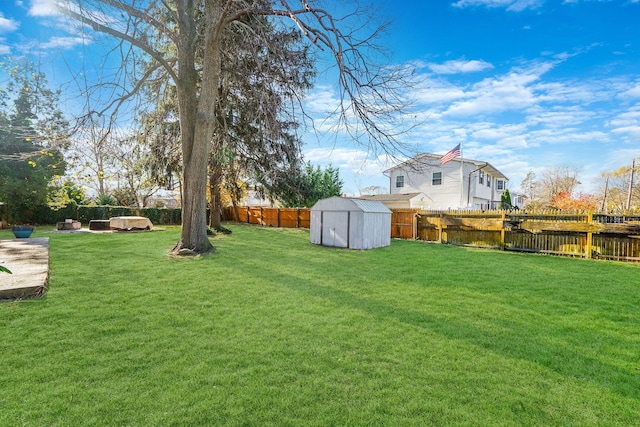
(335, 229)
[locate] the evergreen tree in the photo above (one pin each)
(31, 131)
(505, 200)
(254, 139)
(311, 185)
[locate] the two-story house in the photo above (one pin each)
(459, 183)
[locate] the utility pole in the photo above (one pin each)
(633, 169)
(604, 199)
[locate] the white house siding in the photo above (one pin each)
(451, 193)
(443, 196)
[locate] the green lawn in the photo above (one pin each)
(271, 330)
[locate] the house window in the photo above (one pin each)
(481, 177)
(437, 178)
(488, 180)
(500, 185)
(399, 181)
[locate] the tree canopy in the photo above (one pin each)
(311, 185)
(32, 129)
(255, 138)
(186, 40)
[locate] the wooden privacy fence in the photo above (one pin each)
(270, 217)
(586, 235)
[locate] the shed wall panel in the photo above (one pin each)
(376, 231)
(355, 229)
(316, 227)
(335, 229)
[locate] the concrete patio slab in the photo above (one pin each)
(28, 260)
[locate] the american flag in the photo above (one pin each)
(452, 154)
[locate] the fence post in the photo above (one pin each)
(589, 248)
(502, 231)
(441, 233)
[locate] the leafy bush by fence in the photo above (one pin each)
(84, 214)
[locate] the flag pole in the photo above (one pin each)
(461, 177)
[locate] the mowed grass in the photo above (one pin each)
(274, 331)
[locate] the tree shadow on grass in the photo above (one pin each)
(559, 358)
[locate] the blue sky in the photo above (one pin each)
(522, 84)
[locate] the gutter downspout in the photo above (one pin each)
(388, 176)
(469, 187)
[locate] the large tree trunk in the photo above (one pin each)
(197, 114)
(215, 179)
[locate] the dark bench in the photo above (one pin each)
(99, 224)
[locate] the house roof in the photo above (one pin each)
(391, 197)
(427, 157)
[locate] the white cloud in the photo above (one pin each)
(63, 42)
(357, 161)
(510, 5)
(633, 92)
(559, 117)
(493, 96)
(7, 24)
(626, 118)
(506, 135)
(511, 92)
(617, 158)
(633, 131)
(43, 8)
(520, 5)
(333, 155)
(486, 3)
(436, 92)
(322, 100)
(460, 66)
(572, 92)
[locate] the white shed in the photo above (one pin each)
(350, 223)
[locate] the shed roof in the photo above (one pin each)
(348, 204)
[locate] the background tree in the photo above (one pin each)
(580, 202)
(75, 192)
(542, 190)
(255, 137)
(135, 184)
(505, 200)
(32, 129)
(313, 184)
(92, 154)
(369, 93)
(372, 190)
(528, 189)
(614, 190)
(254, 140)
